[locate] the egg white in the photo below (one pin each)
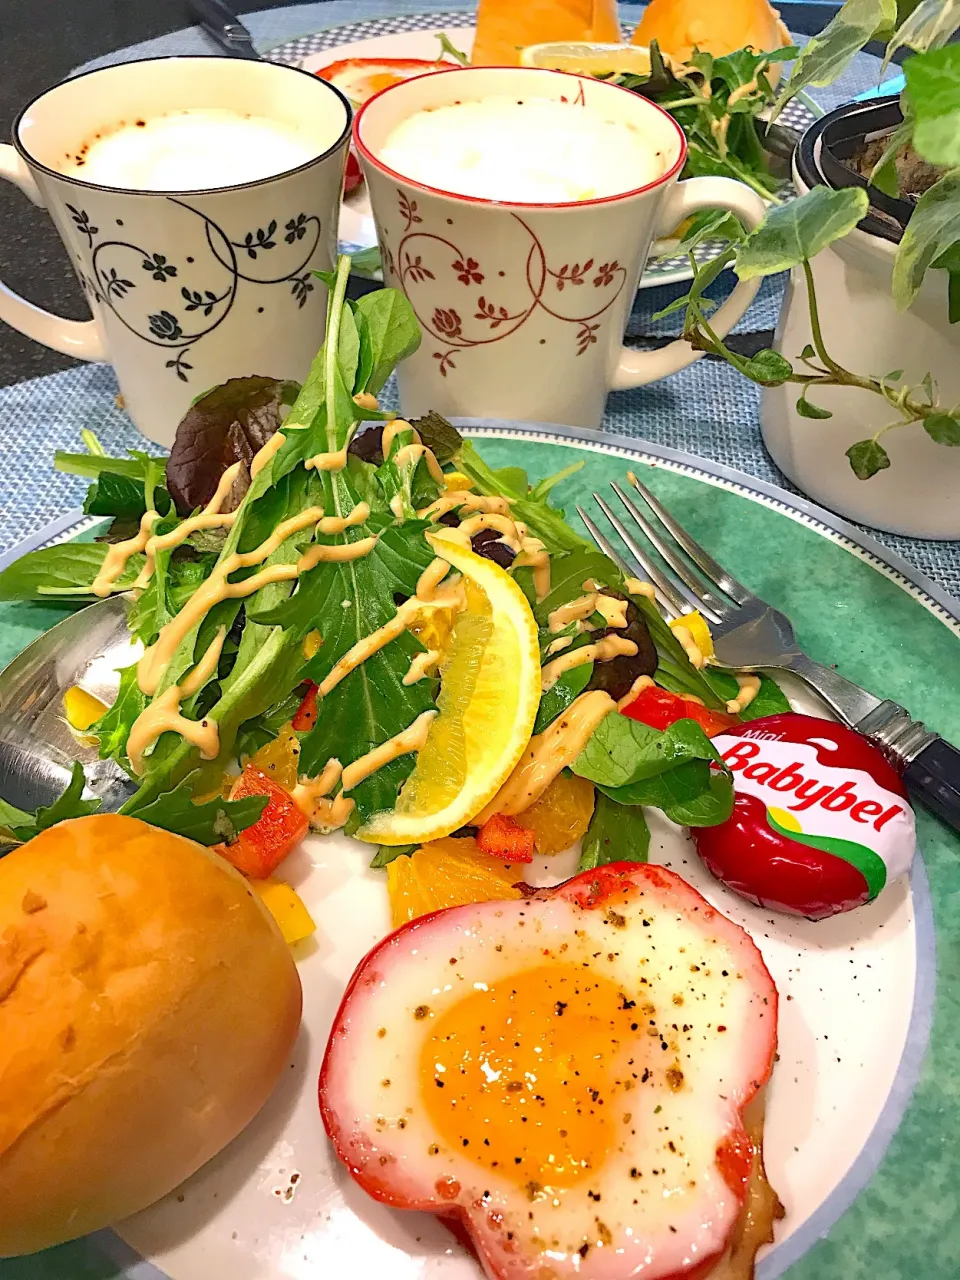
(658, 1204)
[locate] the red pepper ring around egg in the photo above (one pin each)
(381, 1112)
(820, 818)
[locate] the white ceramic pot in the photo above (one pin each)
(919, 494)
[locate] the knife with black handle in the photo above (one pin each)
(226, 28)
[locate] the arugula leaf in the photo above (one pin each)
(258, 731)
(556, 699)
(388, 332)
(622, 751)
(617, 833)
(113, 728)
(67, 805)
(67, 569)
(568, 573)
(542, 521)
(794, 232)
(209, 822)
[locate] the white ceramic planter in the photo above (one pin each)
(919, 494)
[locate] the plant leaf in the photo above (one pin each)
(942, 428)
(827, 55)
(798, 230)
(808, 410)
(933, 94)
(933, 229)
(768, 367)
(617, 833)
(867, 457)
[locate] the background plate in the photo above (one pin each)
(415, 36)
(858, 991)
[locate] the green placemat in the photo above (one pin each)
(849, 611)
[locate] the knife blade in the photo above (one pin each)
(222, 23)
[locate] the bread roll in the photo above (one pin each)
(148, 1005)
(712, 26)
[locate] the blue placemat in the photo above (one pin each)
(707, 409)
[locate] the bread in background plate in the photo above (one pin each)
(148, 1005)
(712, 26)
(504, 27)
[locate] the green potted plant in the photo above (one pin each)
(861, 402)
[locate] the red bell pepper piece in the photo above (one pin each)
(306, 714)
(361, 78)
(503, 837)
(659, 709)
(260, 849)
(353, 177)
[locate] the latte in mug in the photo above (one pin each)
(193, 150)
(529, 151)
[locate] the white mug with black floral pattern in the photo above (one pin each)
(523, 306)
(186, 288)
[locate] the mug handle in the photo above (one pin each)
(78, 338)
(637, 368)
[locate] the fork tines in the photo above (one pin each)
(682, 588)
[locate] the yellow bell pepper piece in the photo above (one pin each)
(286, 906)
(696, 625)
(456, 481)
(82, 709)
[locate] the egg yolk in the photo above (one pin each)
(522, 1075)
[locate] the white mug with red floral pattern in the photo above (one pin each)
(523, 306)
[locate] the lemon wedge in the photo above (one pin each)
(489, 694)
(587, 57)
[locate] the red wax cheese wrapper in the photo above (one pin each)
(820, 822)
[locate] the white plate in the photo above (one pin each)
(416, 36)
(277, 1205)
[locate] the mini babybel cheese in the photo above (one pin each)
(563, 1077)
(821, 821)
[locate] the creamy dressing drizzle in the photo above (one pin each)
(561, 642)
(635, 587)
(430, 580)
(410, 453)
(511, 533)
(334, 461)
(608, 647)
(749, 688)
(210, 518)
(310, 795)
(534, 554)
(337, 524)
(337, 554)
(163, 714)
(411, 739)
(267, 453)
(216, 588)
(689, 645)
(421, 666)
(549, 752)
(463, 498)
(573, 611)
(614, 611)
(638, 686)
(115, 561)
(396, 506)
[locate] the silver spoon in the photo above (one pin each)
(37, 746)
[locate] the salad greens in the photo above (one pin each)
(278, 639)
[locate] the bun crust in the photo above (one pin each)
(148, 1004)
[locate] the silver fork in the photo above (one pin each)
(749, 634)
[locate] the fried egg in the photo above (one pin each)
(562, 1078)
